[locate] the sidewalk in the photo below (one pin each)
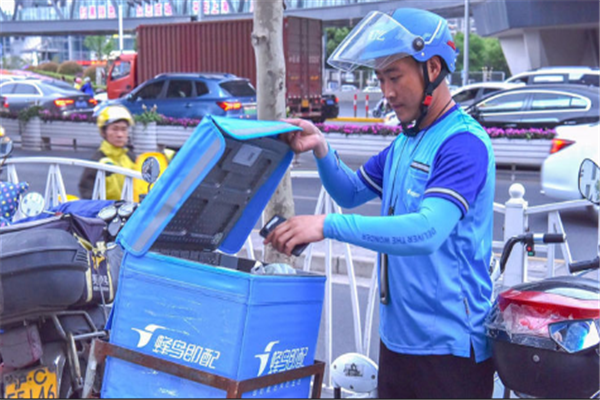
(364, 259)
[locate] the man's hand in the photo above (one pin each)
(310, 138)
(296, 230)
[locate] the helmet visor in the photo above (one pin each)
(376, 42)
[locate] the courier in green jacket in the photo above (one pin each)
(114, 123)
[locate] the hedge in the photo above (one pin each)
(70, 68)
(48, 67)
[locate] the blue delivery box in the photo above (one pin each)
(183, 299)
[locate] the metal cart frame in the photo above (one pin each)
(101, 349)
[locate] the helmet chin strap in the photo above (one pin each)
(414, 127)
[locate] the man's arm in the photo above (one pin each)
(417, 233)
(459, 172)
(343, 184)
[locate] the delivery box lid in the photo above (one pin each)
(214, 190)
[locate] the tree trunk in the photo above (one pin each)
(267, 40)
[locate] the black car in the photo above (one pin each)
(330, 107)
(55, 96)
(539, 106)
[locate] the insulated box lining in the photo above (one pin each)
(218, 202)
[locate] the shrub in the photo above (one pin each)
(30, 112)
(48, 67)
(70, 68)
(91, 72)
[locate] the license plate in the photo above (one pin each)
(304, 103)
(329, 102)
(37, 383)
(80, 104)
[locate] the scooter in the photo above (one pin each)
(545, 335)
(56, 288)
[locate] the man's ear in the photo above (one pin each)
(434, 67)
(103, 133)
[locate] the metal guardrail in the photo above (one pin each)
(55, 192)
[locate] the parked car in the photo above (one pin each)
(348, 88)
(330, 106)
(381, 109)
(372, 89)
(55, 96)
(10, 78)
(453, 88)
(188, 95)
(542, 106)
(560, 171)
(559, 75)
(469, 94)
(391, 119)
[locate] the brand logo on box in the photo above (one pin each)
(176, 348)
(280, 360)
(146, 334)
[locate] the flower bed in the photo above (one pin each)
(384, 130)
(150, 116)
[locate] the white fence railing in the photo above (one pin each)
(55, 191)
(515, 211)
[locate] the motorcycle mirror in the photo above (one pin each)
(150, 170)
(6, 146)
(107, 213)
(589, 181)
(32, 204)
(575, 335)
(126, 210)
(114, 226)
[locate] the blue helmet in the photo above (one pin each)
(380, 39)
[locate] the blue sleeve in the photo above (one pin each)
(417, 233)
(342, 184)
(372, 172)
(459, 171)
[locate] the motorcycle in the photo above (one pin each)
(545, 335)
(58, 277)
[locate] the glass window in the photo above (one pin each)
(150, 91)
(465, 95)
(239, 88)
(8, 88)
(518, 80)
(201, 88)
(179, 89)
(490, 90)
(586, 79)
(550, 101)
(549, 79)
(24, 88)
(504, 103)
(120, 69)
(556, 101)
(578, 102)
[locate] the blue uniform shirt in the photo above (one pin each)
(438, 301)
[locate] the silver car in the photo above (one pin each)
(56, 96)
